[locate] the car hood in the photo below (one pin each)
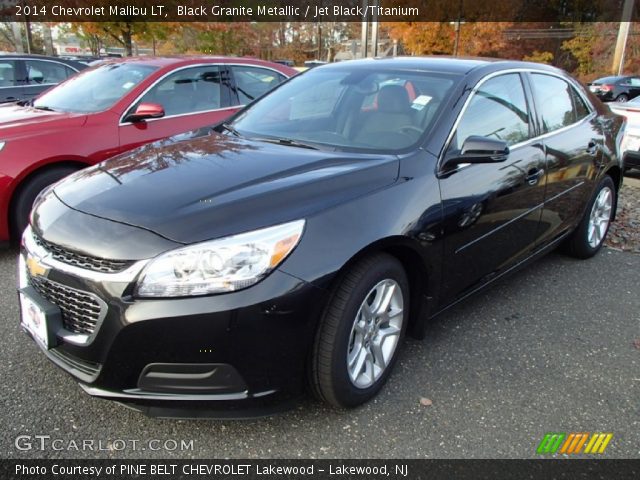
(213, 185)
(16, 119)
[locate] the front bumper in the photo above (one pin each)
(245, 350)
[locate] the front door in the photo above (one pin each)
(192, 98)
(491, 211)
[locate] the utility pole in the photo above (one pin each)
(365, 31)
(623, 33)
(456, 42)
(456, 26)
(374, 29)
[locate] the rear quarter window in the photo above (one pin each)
(558, 102)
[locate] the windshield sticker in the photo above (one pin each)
(421, 101)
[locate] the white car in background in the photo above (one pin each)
(631, 139)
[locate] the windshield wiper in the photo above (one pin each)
(45, 108)
(230, 129)
(287, 141)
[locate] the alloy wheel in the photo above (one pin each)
(375, 333)
(600, 217)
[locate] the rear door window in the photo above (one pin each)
(557, 101)
(253, 82)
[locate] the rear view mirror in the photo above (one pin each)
(145, 111)
(477, 149)
(368, 86)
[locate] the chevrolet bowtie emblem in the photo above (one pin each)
(35, 269)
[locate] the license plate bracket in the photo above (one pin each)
(39, 317)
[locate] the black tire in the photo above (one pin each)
(622, 98)
(577, 244)
(27, 193)
(329, 376)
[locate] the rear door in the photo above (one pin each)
(573, 145)
(491, 211)
(192, 98)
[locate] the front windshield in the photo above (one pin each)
(342, 108)
(94, 90)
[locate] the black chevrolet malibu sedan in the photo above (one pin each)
(225, 270)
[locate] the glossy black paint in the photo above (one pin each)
(224, 190)
(454, 230)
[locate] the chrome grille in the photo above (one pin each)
(82, 261)
(80, 310)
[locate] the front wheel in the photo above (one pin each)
(588, 237)
(622, 98)
(27, 194)
(360, 333)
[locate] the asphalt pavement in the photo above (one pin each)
(554, 348)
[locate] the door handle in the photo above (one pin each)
(533, 175)
(592, 148)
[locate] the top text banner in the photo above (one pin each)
(312, 10)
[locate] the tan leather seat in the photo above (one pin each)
(393, 112)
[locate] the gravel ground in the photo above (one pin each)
(624, 233)
(554, 348)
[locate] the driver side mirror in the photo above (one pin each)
(477, 149)
(145, 111)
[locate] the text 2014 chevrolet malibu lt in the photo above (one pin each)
(227, 270)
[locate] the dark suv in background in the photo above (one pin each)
(23, 77)
(619, 89)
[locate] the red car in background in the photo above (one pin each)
(112, 108)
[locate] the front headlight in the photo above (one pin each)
(219, 266)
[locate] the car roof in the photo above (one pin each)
(26, 56)
(614, 78)
(455, 65)
(188, 60)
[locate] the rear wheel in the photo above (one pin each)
(360, 333)
(588, 237)
(27, 193)
(622, 98)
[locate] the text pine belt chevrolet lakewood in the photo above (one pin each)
(294, 246)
